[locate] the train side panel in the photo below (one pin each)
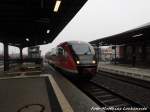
(66, 61)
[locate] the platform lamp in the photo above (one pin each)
(57, 5)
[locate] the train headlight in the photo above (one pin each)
(78, 62)
(93, 61)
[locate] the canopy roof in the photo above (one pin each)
(139, 34)
(25, 23)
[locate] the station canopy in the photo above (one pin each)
(25, 23)
(139, 35)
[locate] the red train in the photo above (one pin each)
(74, 57)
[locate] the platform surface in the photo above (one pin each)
(17, 93)
(140, 73)
(23, 90)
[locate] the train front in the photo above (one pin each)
(84, 56)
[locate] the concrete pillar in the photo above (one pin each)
(133, 56)
(97, 52)
(115, 54)
(6, 57)
(21, 56)
(100, 53)
(125, 54)
(144, 53)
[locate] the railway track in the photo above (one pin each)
(109, 99)
(138, 82)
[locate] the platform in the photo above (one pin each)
(140, 73)
(47, 90)
(17, 93)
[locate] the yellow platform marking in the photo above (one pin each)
(66, 107)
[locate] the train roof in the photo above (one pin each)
(73, 42)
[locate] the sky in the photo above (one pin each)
(101, 18)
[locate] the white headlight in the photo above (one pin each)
(93, 61)
(78, 62)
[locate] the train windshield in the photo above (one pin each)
(82, 49)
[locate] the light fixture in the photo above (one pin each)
(44, 42)
(93, 61)
(27, 39)
(78, 62)
(57, 5)
(48, 31)
(138, 35)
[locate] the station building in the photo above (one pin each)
(130, 47)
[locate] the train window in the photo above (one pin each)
(60, 51)
(84, 49)
(53, 51)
